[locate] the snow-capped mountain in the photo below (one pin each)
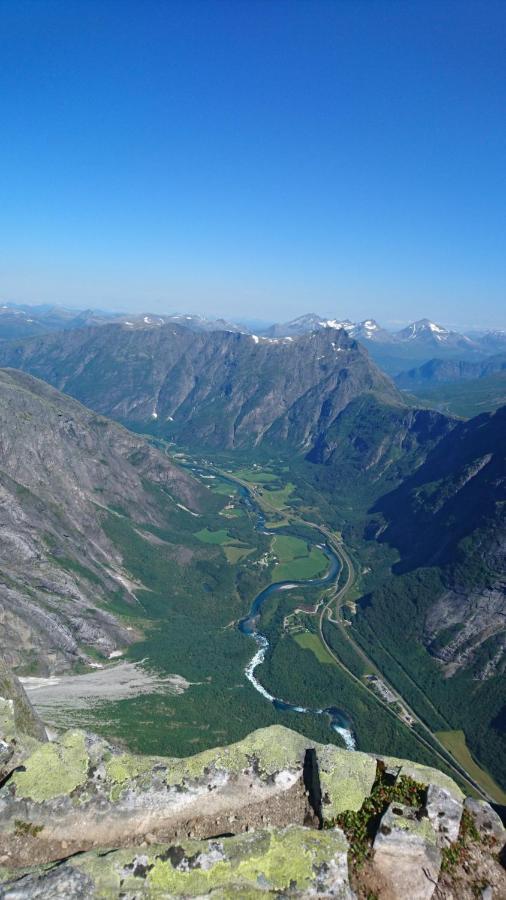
(397, 351)
(368, 330)
(194, 323)
(425, 331)
(304, 325)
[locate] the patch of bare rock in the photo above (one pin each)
(274, 814)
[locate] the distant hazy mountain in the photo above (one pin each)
(367, 330)
(425, 332)
(18, 321)
(21, 320)
(370, 331)
(394, 351)
(221, 388)
(421, 341)
(450, 370)
(491, 341)
(63, 471)
(194, 323)
(304, 325)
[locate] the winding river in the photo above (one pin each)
(339, 720)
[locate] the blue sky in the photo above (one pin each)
(256, 159)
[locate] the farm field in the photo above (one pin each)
(455, 742)
(309, 641)
(296, 561)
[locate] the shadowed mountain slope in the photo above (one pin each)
(442, 614)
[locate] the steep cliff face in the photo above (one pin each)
(62, 469)
(450, 514)
(222, 389)
(371, 437)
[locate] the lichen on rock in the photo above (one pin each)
(346, 779)
(296, 860)
(231, 822)
(54, 769)
(268, 750)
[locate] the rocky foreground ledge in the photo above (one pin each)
(274, 814)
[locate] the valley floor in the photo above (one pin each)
(314, 658)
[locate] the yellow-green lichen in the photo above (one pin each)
(346, 779)
(270, 859)
(54, 769)
(231, 867)
(274, 748)
(123, 768)
(236, 893)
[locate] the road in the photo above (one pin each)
(457, 768)
(336, 598)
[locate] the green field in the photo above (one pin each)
(287, 547)
(277, 499)
(233, 513)
(213, 537)
(310, 641)
(224, 488)
(235, 554)
(295, 560)
(255, 476)
(455, 742)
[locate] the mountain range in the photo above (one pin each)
(419, 487)
(223, 389)
(394, 351)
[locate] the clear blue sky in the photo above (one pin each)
(260, 159)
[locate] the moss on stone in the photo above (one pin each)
(54, 770)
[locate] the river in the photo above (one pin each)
(339, 721)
